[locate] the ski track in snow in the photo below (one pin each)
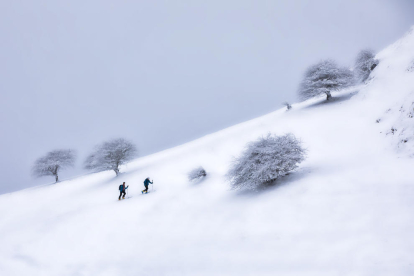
(348, 209)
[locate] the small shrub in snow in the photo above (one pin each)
(110, 155)
(288, 106)
(365, 62)
(197, 173)
(53, 162)
(323, 78)
(265, 160)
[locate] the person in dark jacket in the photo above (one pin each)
(146, 183)
(122, 189)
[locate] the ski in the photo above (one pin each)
(124, 198)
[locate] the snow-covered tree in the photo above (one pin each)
(197, 173)
(265, 160)
(53, 162)
(323, 78)
(110, 155)
(365, 62)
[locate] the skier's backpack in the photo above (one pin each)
(120, 187)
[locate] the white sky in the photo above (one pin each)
(161, 73)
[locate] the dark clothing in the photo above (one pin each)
(146, 183)
(122, 189)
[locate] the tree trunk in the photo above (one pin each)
(117, 168)
(55, 173)
(328, 96)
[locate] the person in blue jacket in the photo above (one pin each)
(146, 183)
(122, 189)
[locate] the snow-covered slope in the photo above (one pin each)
(348, 210)
(393, 83)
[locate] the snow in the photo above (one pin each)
(396, 94)
(348, 209)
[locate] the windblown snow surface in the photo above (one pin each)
(348, 209)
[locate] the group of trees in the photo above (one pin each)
(326, 76)
(271, 157)
(265, 160)
(109, 155)
(262, 162)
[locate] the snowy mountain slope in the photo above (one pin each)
(396, 93)
(348, 210)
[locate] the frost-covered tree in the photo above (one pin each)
(53, 162)
(197, 173)
(365, 62)
(323, 78)
(265, 160)
(110, 155)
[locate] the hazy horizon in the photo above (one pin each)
(160, 73)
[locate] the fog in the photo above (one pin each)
(162, 73)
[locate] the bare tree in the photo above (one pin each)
(365, 62)
(110, 155)
(53, 162)
(197, 173)
(323, 78)
(265, 160)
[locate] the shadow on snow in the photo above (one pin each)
(334, 99)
